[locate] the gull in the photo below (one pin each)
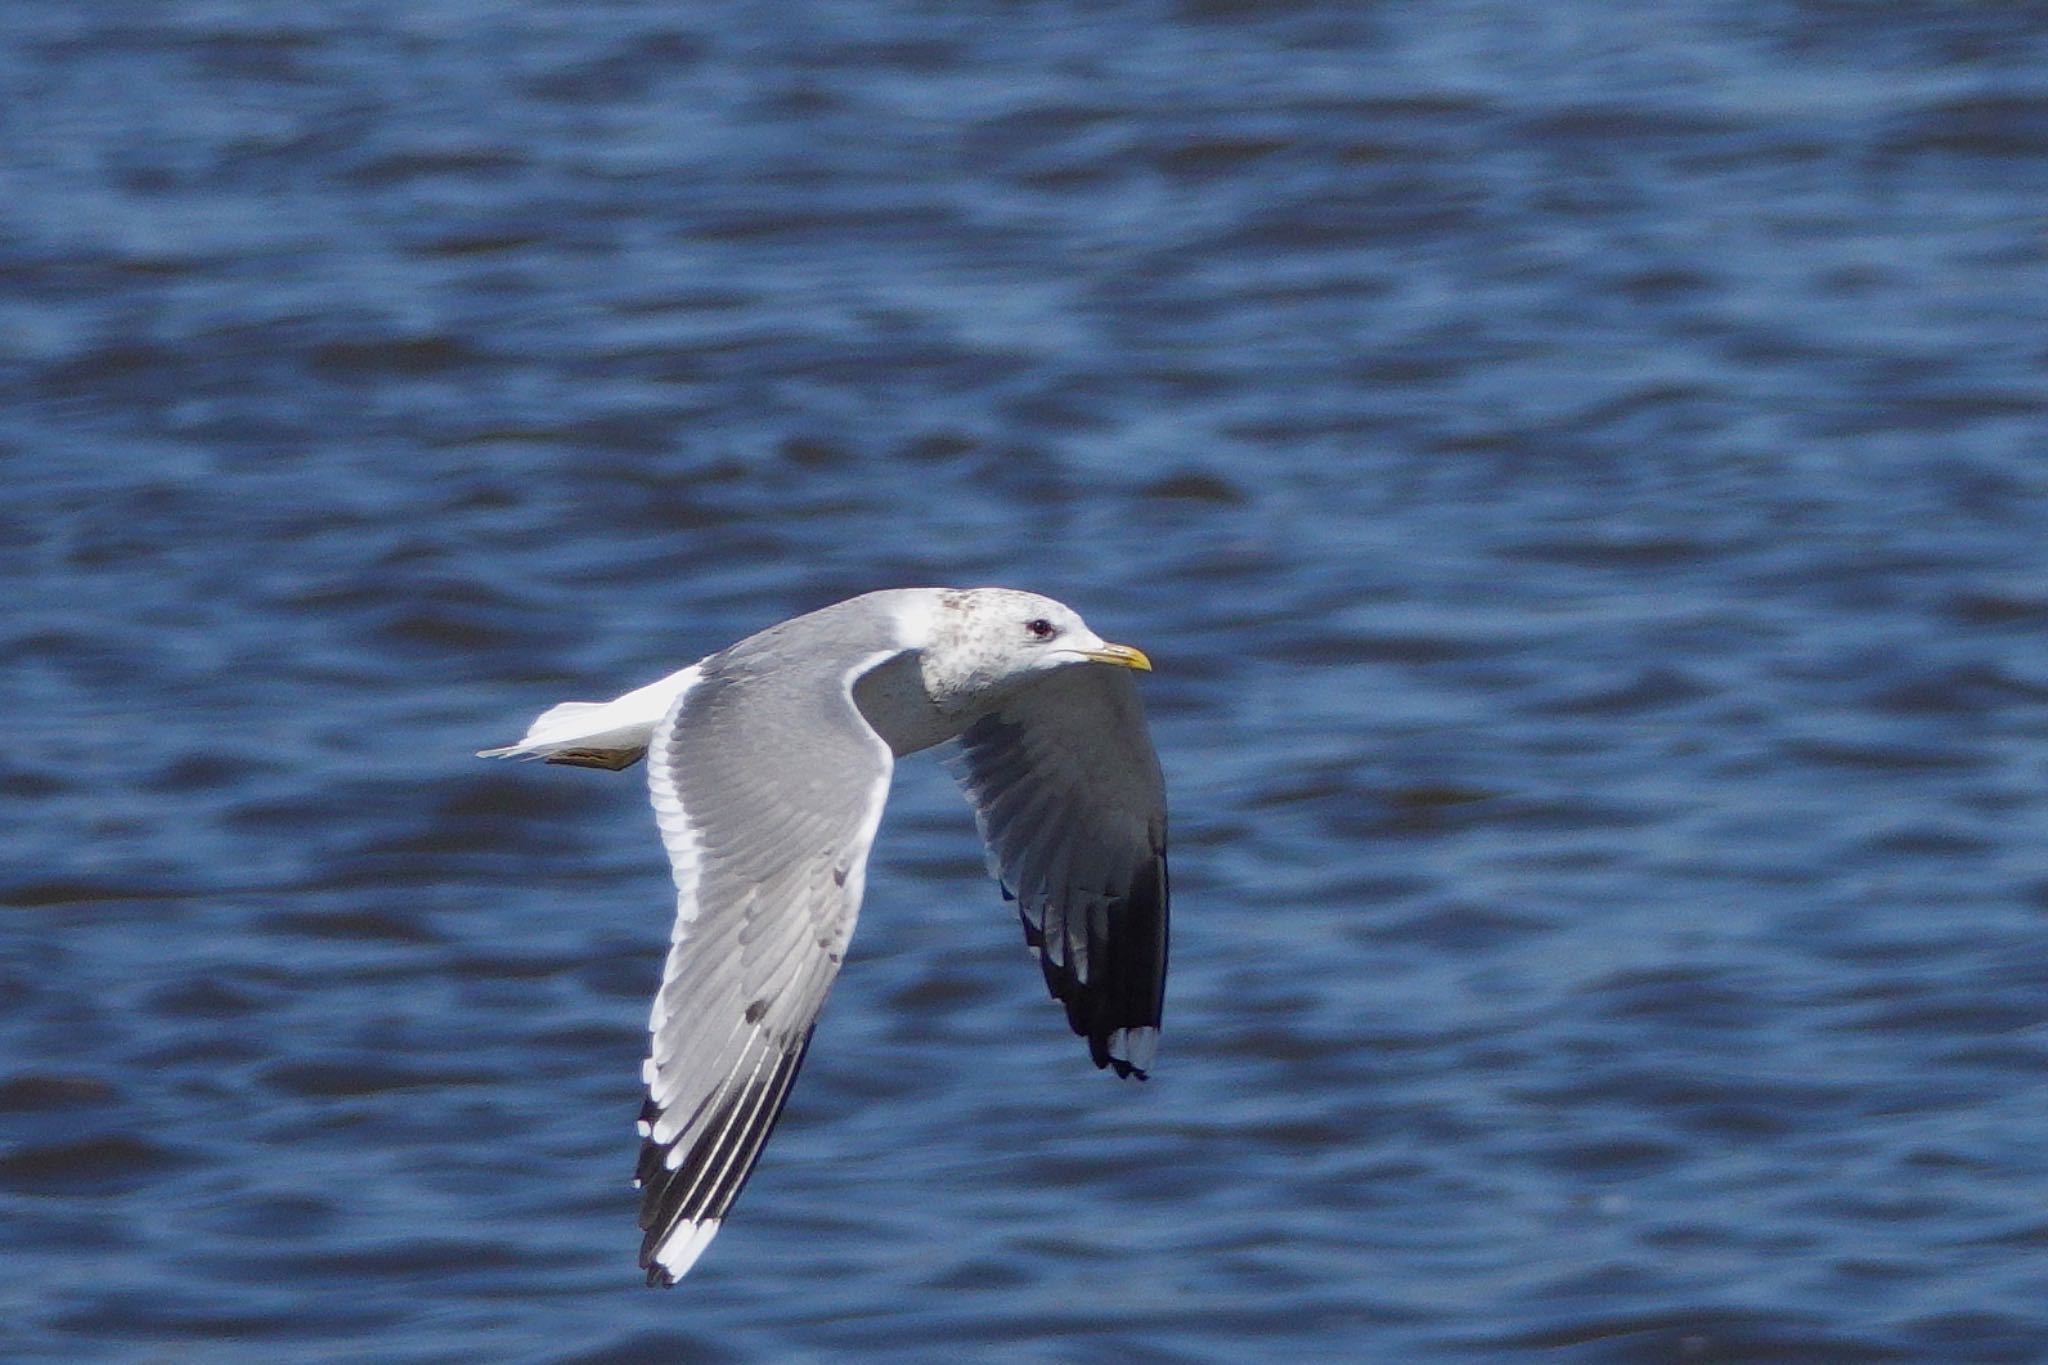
(768, 766)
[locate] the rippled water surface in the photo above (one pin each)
(1580, 472)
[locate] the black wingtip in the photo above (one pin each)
(701, 1186)
(1124, 942)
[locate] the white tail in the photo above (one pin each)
(599, 734)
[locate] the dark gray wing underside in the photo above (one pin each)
(1067, 791)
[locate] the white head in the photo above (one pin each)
(985, 642)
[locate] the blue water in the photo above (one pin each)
(1581, 471)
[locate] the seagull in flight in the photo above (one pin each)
(768, 766)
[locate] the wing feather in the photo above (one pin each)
(767, 818)
(1067, 791)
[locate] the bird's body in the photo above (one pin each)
(768, 766)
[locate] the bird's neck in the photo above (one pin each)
(896, 701)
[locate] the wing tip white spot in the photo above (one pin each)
(1136, 1047)
(683, 1245)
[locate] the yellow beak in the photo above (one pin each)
(1125, 656)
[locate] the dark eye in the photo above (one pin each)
(1040, 628)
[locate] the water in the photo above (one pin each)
(1578, 471)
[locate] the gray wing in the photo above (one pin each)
(768, 786)
(1067, 791)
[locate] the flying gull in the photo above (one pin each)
(769, 764)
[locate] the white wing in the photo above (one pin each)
(768, 789)
(1067, 791)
